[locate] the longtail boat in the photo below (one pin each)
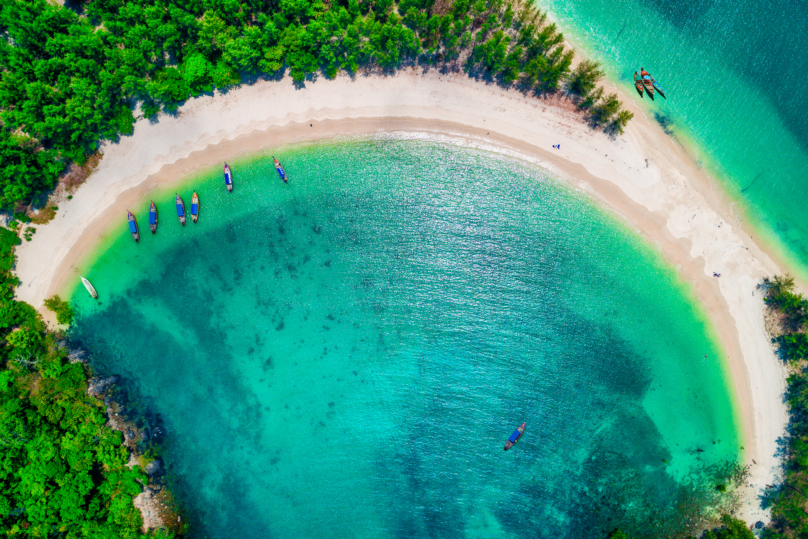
(280, 170)
(153, 218)
(657, 87)
(228, 178)
(515, 436)
(195, 207)
(646, 80)
(638, 83)
(133, 225)
(181, 210)
(89, 288)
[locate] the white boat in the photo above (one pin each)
(89, 288)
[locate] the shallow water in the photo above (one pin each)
(730, 69)
(345, 355)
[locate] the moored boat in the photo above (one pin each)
(133, 225)
(228, 178)
(515, 436)
(646, 80)
(280, 170)
(195, 207)
(181, 210)
(89, 288)
(153, 218)
(658, 88)
(638, 83)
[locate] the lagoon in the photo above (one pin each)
(345, 355)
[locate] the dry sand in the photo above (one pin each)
(672, 202)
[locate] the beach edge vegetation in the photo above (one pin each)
(71, 78)
(63, 471)
(788, 500)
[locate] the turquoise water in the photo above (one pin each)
(345, 356)
(731, 69)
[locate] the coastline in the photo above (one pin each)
(672, 203)
(726, 193)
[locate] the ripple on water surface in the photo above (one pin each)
(345, 355)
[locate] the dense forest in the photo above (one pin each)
(71, 77)
(731, 528)
(789, 502)
(63, 472)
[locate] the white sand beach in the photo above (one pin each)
(671, 201)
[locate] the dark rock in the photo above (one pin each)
(758, 524)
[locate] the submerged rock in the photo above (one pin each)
(97, 386)
(155, 467)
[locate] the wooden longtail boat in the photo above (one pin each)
(280, 170)
(646, 80)
(657, 87)
(195, 207)
(638, 83)
(515, 436)
(89, 288)
(228, 178)
(181, 210)
(133, 225)
(153, 218)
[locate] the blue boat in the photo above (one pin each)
(280, 170)
(195, 207)
(153, 218)
(133, 225)
(659, 89)
(181, 210)
(228, 178)
(515, 436)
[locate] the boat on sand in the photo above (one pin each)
(638, 83)
(133, 225)
(280, 170)
(195, 207)
(89, 288)
(515, 436)
(153, 218)
(181, 210)
(228, 178)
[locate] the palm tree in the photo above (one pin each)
(781, 284)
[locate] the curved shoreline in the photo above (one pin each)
(673, 203)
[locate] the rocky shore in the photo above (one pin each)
(155, 503)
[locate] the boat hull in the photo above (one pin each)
(638, 84)
(181, 210)
(153, 218)
(515, 436)
(279, 170)
(649, 86)
(90, 288)
(195, 208)
(228, 178)
(133, 227)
